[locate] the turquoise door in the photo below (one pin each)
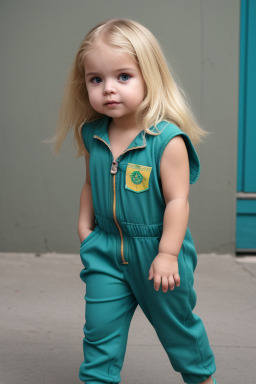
(246, 181)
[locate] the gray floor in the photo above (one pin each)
(42, 315)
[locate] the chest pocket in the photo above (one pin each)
(137, 177)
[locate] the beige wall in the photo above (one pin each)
(39, 193)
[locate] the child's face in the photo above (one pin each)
(114, 82)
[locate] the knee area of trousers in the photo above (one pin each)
(99, 331)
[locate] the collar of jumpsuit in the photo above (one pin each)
(101, 131)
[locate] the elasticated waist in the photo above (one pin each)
(129, 229)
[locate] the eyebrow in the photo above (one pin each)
(118, 70)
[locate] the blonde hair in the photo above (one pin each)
(164, 99)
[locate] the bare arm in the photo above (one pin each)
(86, 211)
(174, 172)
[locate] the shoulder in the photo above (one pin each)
(163, 132)
(175, 151)
(87, 130)
(177, 146)
(163, 129)
(168, 130)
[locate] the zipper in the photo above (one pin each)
(113, 171)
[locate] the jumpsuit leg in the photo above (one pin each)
(110, 305)
(180, 331)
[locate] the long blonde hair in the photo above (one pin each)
(164, 99)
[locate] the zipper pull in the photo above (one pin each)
(114, 167)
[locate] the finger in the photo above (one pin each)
(177, 279)
(171, 283)
(164, 284)
(157, 282)
(151, 275)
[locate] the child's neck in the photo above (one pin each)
(124, 124)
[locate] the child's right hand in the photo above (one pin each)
(84, 234)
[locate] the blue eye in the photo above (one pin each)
(96, 80)
(124, 77)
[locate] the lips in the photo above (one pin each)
(112, 102)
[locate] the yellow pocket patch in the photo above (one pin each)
(137, 177)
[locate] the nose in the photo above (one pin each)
(109, 88)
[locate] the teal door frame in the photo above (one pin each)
(246, 178)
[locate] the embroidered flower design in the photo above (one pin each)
(136, 177)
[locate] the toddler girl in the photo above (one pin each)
(135, 128)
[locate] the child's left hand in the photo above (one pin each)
(165, 267)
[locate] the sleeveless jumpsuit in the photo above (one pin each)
(129, 208)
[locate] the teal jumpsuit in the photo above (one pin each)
(129, 208)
